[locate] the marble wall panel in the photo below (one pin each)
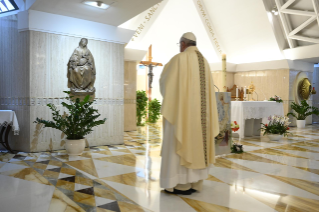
(14, 78)
(217, 78)
(33, 72)
(268, 83)
(48, 69)
(130, 83)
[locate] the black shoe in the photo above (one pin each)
(188, 192)
(192, 190)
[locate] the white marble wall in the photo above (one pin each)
(14, 77)
(130, 95)
(33, 67)
(48, 70)
(268, 83)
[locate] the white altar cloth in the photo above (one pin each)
(241, 111)
(8, 117)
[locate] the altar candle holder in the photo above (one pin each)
(237, 99)
(245, 99)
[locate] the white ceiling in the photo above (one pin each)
(244, 29)
(117, 14)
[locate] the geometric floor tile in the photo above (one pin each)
(29, 197)
(62, 175)
(89, 191)
(283, 203)
(10, 166)
(80, 187)
(84, 198)
(272, 176)
(102, 201)
(113, 206)
(61, 202)
(204, 206)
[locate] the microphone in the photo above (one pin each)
(217, 88)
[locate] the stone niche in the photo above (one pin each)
(34, 73)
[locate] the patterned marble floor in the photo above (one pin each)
(270, 176)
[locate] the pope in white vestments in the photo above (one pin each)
(190, 120)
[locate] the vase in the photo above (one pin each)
(274, 137)
(75, 147)
(301, 123)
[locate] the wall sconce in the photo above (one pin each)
(275, 10)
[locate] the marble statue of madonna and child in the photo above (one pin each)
(81, 70)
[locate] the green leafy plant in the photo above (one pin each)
(277, 125)
(79, 122)
(154, 111)
(141, 105)
(303, 110)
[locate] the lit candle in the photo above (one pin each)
(237, 92)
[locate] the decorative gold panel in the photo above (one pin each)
(304, 89)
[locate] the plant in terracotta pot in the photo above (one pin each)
(302, 111)
(78, 123)
(276, 128)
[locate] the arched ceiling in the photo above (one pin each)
(243, 29)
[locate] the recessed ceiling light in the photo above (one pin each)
(98, 4)
(7, 6)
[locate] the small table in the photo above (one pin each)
(8, 121)
(252, 113)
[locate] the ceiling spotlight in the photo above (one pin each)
(275, 10)
(98, 4)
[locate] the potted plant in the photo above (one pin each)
(78, 123)
(276, 99)
(303, 110)
(154, 111)
(276, 128)
(141, 104)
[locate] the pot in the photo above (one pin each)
(75, 147)
(301, 123)
(274, 137)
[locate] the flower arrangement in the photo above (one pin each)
(237, 148)
(277, 125)
(234, 126)
(276, 99)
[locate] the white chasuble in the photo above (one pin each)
(190, 119)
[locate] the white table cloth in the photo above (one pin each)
(241, 111)
(8, 117)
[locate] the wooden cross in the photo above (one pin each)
(150, 74)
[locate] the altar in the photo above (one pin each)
(250, 114)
